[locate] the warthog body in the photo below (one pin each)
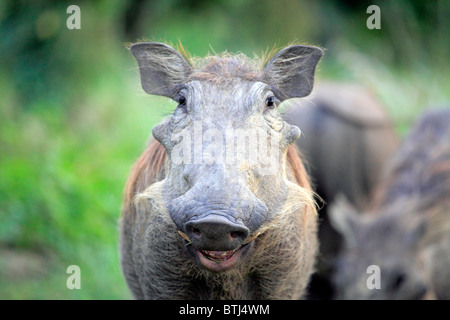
(211, 212)
(407, 231)
(347, 139)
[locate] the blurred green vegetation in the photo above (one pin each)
(74, 118)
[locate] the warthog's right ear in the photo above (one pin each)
(161, 67)
(291, 71)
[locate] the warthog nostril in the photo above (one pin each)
(216, 233)
(237, 234)
(195, 232)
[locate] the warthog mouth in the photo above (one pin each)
(219, 261)
(218, 256)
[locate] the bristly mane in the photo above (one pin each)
(226, 66)
(149, 168)
(222, 66)
(145, 171)
(420, 171)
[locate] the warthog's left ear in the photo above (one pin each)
(161, 67)
(291, 71)
(344, 219)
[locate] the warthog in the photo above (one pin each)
(220, 206)
(347, 138)
(406, 233)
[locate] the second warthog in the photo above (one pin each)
(347, 138)
(406, 231)
(220, 206)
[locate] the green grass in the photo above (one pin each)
(62, 175)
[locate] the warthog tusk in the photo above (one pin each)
(184, 236)
(251, 238)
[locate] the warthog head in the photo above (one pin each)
(408, 216)
(226, 142)
(390, 242)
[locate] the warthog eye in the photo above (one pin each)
(398, 280)
(271, 102)
(181, 101)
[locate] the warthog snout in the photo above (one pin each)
(215, 232)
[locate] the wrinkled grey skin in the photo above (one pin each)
(157, 262)
(347, 138)
(204, 189)
(407, 232)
